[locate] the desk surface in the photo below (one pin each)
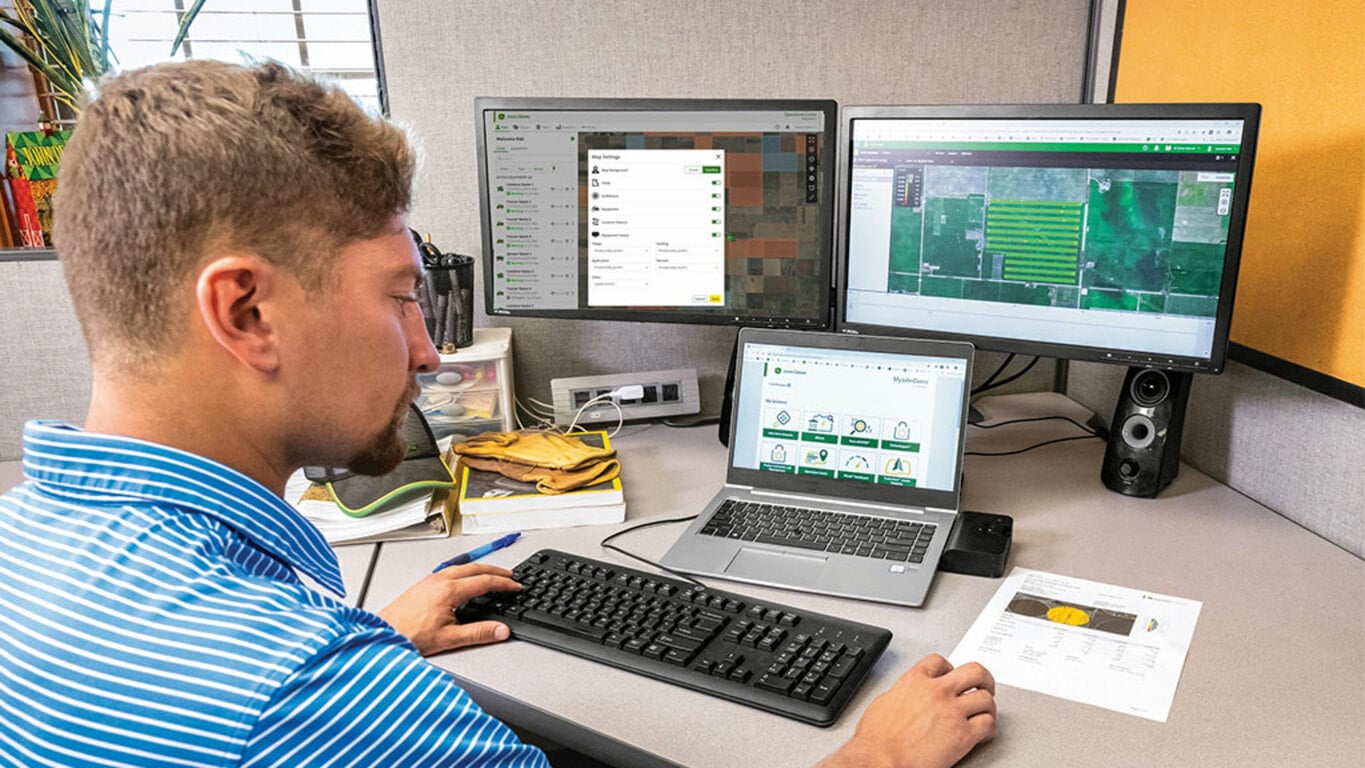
(1273, 677)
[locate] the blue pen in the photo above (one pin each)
(478, 552)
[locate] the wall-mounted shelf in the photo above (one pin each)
(27, 254)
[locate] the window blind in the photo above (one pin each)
(334, 39)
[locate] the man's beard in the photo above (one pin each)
(389, 448)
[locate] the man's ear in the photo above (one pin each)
(230, 294)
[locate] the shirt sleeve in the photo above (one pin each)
(369, 699)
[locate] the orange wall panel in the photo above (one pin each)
(1301, 292)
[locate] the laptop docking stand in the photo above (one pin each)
(978, 545)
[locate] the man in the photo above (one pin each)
(234, 245)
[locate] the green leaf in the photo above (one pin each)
(185, 21)
(104, 37)
(71, 47)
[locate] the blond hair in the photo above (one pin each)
(172, 161)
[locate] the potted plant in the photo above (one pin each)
(66, 42)
(69, 47)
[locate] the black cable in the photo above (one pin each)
(999, 370)
(1083, 427)
(1089, 433)
(1016, 376)
(687, 422)
(647, 524)
(1031, 447)
(994, 384)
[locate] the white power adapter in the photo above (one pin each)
(644, 395)
(630, 392)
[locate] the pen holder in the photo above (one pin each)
(446, 296)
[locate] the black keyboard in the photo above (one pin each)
(787, 661)
(821, 530)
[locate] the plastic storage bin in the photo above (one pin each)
(472, 391)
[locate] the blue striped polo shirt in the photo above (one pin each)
(151, 615)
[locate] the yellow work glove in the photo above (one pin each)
(549, 481)
(538, 449)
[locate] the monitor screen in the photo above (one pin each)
(1095, 232)
(878, 417)
(716, 211)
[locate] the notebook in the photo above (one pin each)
(844, 468)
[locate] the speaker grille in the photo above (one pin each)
(1150, 387)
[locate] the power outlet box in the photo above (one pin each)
(663, 393)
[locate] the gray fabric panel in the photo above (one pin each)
(439, 56)
(1291, 449)
(44, 367)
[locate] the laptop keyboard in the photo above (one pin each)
(881, 538)
(796, 663)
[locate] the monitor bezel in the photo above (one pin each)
(684, 315)
(1212, 363)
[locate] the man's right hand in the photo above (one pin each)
(931, 718)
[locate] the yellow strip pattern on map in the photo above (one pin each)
(1065, 614)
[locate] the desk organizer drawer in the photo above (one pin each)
(471, 392)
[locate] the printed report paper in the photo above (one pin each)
(1113, 647)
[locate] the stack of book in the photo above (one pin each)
(31, 160)
(423, 517)
(492, 503)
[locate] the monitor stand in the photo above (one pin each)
(726, 403)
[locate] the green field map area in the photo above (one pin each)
(1141, 241)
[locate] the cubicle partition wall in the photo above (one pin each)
(1290, 437)
(44, 369)
(438, 58)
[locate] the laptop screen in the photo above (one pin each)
(881, 418)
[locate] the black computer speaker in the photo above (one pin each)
(1143, 455)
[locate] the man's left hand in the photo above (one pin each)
(425, 613)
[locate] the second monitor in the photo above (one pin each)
(1105, 232)
(716, 211)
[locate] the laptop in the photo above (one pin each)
(844, 468)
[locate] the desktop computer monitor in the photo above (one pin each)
(676, 210)
(1102, 232)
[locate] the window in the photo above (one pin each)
(334, 39)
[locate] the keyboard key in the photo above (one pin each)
(775, 683)
(785, 542)
(678, 657)
(842, 667)
(673, 641)
(707, 624)
(544, 619)
(691, 633)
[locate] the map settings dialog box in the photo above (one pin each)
(656, 227)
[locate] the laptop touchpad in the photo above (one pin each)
(776, 567)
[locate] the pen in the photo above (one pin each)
(478, 552)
